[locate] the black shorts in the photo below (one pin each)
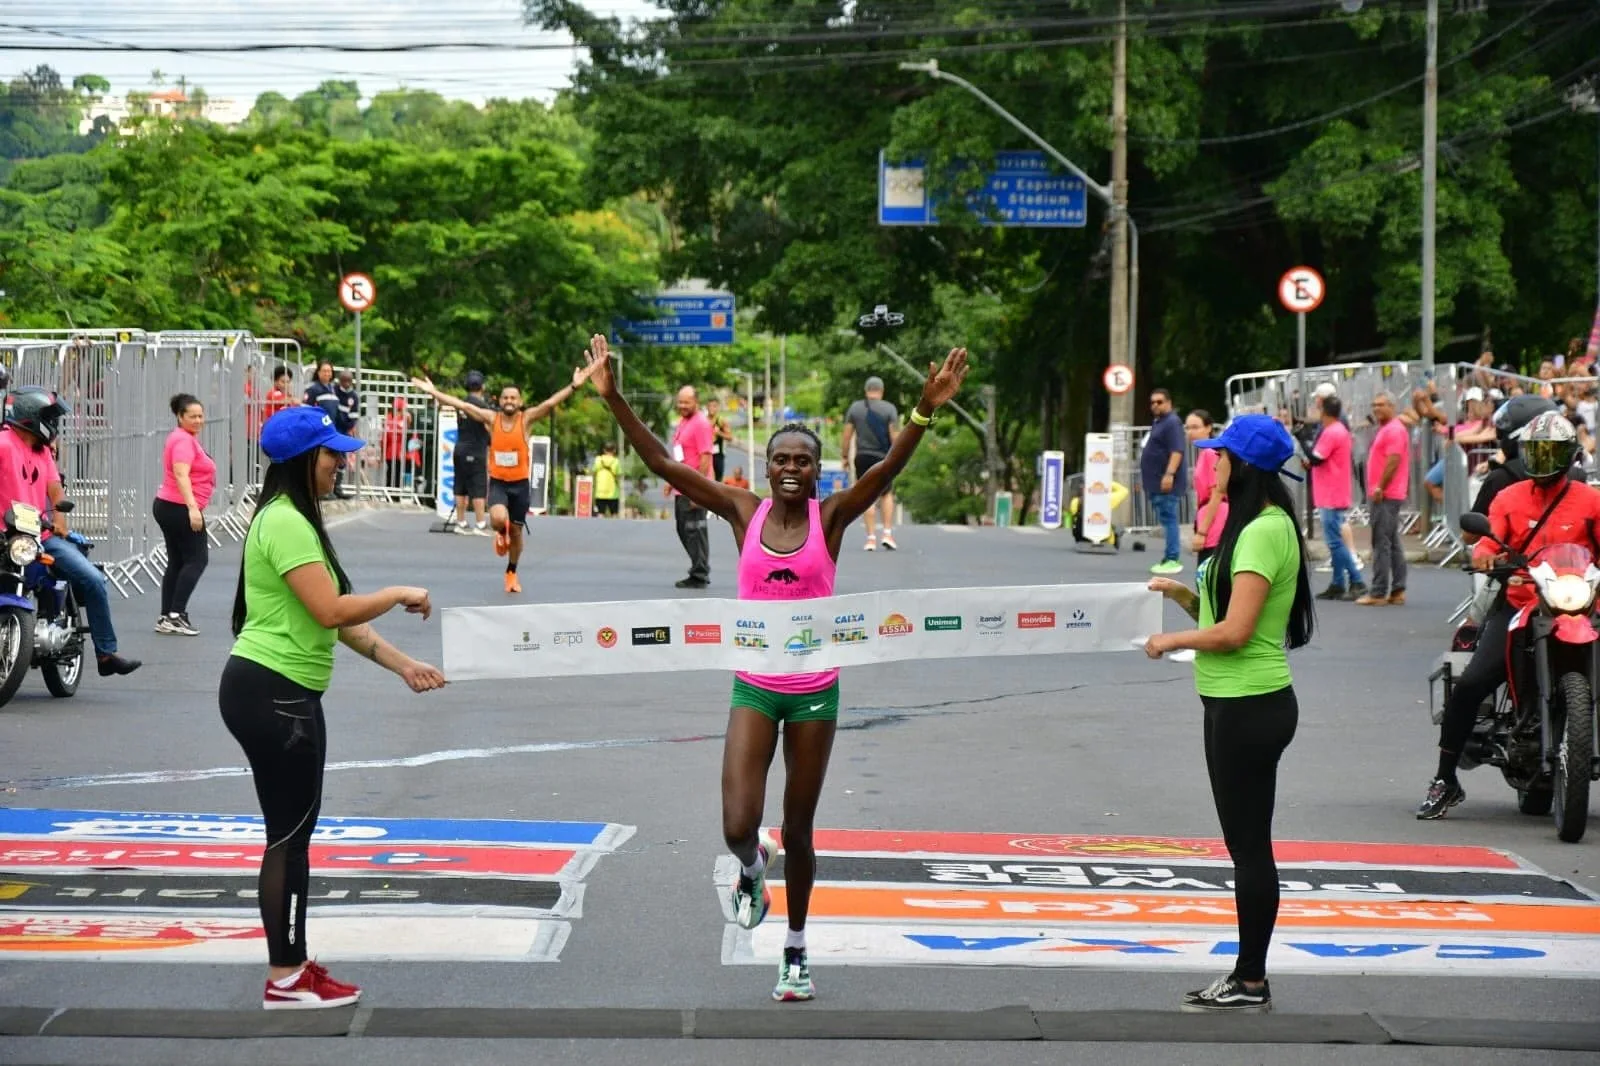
(606, 506)
(514, 496)
(867, 462)
(471, 481)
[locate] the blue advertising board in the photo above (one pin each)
(1053, 468)
(685, 318)
(1024, 190)
(830, 482)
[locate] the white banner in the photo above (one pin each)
(444, 497)
(1096, 502)
(790, 636)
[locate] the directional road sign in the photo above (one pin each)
(685, 318)
(1024, 190)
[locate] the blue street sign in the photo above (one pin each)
(1024, 190)
(830, 482)
(1054, 465)
(685, 318)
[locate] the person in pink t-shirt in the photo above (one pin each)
(1210, 504)
(1388, 480)
(692, 445)
(188, 478)
(1331, 494)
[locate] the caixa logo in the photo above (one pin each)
(849, 619)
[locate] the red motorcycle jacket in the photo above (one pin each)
(1515, 513)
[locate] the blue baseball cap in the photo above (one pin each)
(1259, 440)
(296, 430)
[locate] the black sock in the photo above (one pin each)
(1447, 767)
(511, 568)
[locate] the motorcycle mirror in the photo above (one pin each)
(1476, 524)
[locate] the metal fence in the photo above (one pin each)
(118, 383)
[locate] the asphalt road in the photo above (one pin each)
(1025, 747)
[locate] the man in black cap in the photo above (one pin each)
(471, 455)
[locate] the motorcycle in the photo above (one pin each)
(1539, 729)
(41, 622)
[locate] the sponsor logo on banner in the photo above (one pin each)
(527, 643)
(1036, 619)
(849, 629)
(1099, 457)
(645, 636)
(802, 643)
(991, 624)
(606, 638)
(143, 891)
(1077, 620)
(570, 638)
(702, 634)
(895, 625)
(21, 856)
(1098, 517)
(942, 623)
(750, 633)
(1099, 486)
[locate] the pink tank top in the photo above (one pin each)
(803, 575)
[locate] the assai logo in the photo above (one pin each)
(569, 638)
(1036, 619)
(1098, 518)
(942, 623)
(1078, 620)
(849, 628)
(896, 625)
(1098, 486)
(527, 643)
(991, 623)
(647, 635)
(750, 633)
(1099, 457)
(606, 638)
(802, 643)
(702, 634)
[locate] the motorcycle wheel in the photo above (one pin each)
(1571, 784)
(16, 650)
(1535, 801)
(62, 678)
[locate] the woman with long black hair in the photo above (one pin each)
(788, 550)
(293, 601)
(1253, 603)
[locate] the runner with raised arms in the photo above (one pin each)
(788, 550)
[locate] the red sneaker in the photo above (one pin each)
(313, 989)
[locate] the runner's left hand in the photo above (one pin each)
(599, 367)
(945, 381)
(1158, 645)
(420, 677)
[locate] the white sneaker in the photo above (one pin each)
(872, 544)
(888, 542)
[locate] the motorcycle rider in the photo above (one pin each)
(28, 474)
(1508, 470)
(1544, 509)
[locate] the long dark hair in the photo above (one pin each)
(1250, 490)
(295, 479)
(804, 431)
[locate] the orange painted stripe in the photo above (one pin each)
(1017, 908)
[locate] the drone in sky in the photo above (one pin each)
(881, 317)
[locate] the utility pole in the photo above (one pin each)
(1430, 179)
(783, 373)
(766, 355)
(991, 451)
(1121, 405)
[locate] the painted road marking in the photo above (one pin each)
(247, 829)
(168, 938)
(20, 855)
(1459, 953)
(161, 891)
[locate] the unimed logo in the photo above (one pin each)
(1036, 619)
(702, 634)
(942, 623)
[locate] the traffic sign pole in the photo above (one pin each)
(1300, 362)
(358, 351)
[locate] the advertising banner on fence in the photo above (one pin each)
(1096, 503)
(1052, 479)
(444, 501)
(652, 636)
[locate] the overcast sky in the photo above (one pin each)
(189, 26)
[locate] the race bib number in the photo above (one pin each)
(506, 459)
(677, 452)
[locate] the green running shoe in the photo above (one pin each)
(794, 978)
(751, 900)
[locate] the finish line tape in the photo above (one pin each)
(793, 636)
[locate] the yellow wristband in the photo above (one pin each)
(920, 419)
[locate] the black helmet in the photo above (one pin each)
(35, 409)
(1513, 415)
(1549, 447)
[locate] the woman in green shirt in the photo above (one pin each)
(1253, 603)
(293, 601)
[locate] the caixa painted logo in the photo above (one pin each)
(750, 633)
(849, 629)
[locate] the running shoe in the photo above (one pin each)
(1228, 994)
(512, 584)
(502, 541)
(313, 989)
(751, 899)
(794, 978)
(887, 540)
(1442, 795)
(1167, 566)
(164, 625)
(481, 531)
(181, 625)
(872, 544)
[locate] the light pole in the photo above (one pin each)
(1585, 99)
(1430, 179)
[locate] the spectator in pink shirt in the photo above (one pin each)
(1331, 495)
(188, 477)
(1210, 505)
(1388, 478)
(692, 445)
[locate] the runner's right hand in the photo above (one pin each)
(598, 359)
(414, 600)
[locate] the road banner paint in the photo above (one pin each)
(785, 636)
(202, 893)
(1433, 954)
(19, 855)
(247, 829)
(1180, 878)
(1289, 852)
(102, 937)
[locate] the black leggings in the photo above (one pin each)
(1245, 738)
(188, 553)
(1485, 672)
(279, 725)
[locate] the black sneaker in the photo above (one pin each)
(117, 665)
(1333, 592)
(1358, 589)
(693, 583)
(1228, 994)
(182, 626)
(1442, 795)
